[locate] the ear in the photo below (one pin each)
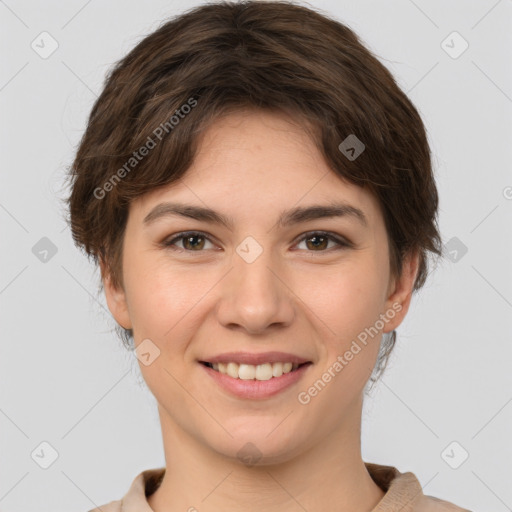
(400, 292)
(116, 298)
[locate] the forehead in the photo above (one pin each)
(256, 161)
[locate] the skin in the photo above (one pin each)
(294, 297)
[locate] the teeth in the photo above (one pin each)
(249, 372)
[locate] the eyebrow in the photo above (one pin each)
(286, 218)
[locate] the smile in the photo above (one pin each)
(255, 382)
(265, 371)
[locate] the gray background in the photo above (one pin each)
(67, 381)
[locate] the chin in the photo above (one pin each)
(256, 447)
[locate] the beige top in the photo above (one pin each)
(403, 493)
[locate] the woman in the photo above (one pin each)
(259, 196)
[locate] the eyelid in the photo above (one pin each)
(341, 241)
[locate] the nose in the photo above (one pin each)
(255, 296)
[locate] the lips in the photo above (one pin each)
(257, 386)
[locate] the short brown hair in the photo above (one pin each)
(276, 55)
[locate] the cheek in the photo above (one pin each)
(163, 298)
(348, 297)
(351, 342)
(349, 307)
(151, 294)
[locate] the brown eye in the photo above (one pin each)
(194, 241)
(318, 241)
(191, 242)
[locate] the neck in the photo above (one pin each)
(330, 475)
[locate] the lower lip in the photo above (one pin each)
(255, 389)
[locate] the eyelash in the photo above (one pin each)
(169, 243)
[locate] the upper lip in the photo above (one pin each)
(255, 359)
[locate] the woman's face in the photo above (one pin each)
(255, 286)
